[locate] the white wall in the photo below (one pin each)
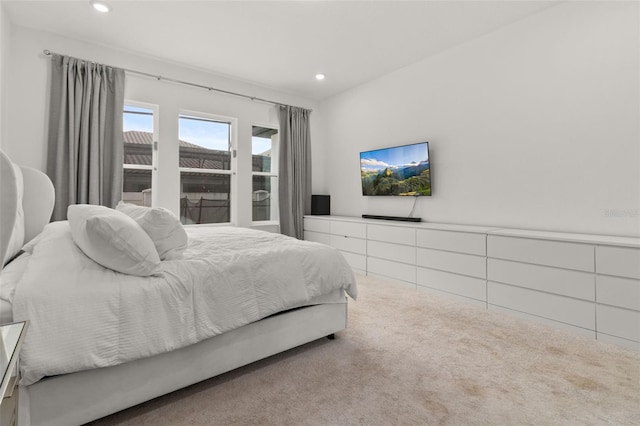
(535, 125)
(4, 60)
(28, 97)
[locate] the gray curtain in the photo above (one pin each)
(295, 169)
(85, 151)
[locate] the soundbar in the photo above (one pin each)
(400, 218)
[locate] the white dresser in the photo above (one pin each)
(452, 260)
(347, 235)
(618, 293)
(588, 284)
(391, 252)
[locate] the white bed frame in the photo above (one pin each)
(88, 395)
(77, 398)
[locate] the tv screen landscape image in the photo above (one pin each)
(399, 170)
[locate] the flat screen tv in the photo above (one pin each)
(399, 170)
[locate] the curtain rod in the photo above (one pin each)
(187, 83)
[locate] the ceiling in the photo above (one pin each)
(278, 44)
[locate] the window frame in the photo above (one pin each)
(275, 165)
(233, 131)
(155, 108)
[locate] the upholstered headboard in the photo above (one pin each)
(26, 203)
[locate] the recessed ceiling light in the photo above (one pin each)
(100, 6)
(320, 76)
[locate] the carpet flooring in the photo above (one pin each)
(412, 358)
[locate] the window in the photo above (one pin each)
(139, 140)
(205, 188)
(206, 168)
(264, 143)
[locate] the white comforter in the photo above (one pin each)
(84, 316)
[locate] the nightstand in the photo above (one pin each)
(11, 337)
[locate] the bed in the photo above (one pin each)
(100, 341)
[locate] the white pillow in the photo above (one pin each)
(113, 240)
(162, 226)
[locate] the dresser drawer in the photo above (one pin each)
(395, 252)
(318, 237)
(474, 288)
(388, 268)
(465, 264)
(317, 225)
(618, 261)
(356, 261)
(549, 253)
(349, 229)
(392, 234)
(461, 242)
(353, 245)
(619, 322)
(565, 282)
(559, 308)
(616, 291)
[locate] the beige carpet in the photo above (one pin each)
(411, 358)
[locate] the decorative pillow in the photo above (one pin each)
(162, 226)
(113, 239)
